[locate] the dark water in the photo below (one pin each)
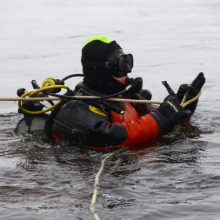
(176, 178)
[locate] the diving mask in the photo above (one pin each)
(119, 64)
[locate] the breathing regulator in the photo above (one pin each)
(48, 87)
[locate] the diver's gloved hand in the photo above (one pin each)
(145, 93)
(188, 92)
(170, 113)
(136, 84)
(182, 91)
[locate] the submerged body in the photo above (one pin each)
(101, 123)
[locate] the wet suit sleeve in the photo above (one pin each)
(141, 130)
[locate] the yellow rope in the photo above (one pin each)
(173, 106)
(23, 98)
(32, 93)
(7, 99)
(184, 103)
(80, 97)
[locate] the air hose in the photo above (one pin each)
(40, 90)
(49, 86)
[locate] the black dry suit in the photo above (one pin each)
(98, 122)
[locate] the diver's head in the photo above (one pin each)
(105, 66)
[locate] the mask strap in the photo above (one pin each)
(95, 65)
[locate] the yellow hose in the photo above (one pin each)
(32, 93)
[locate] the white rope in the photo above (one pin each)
(95, 188)
(183, 103)
(79, 97)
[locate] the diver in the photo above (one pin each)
(100, 123)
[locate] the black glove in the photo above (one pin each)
(190, 91)
(169, 114)
(136, 84)
(145, 93)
